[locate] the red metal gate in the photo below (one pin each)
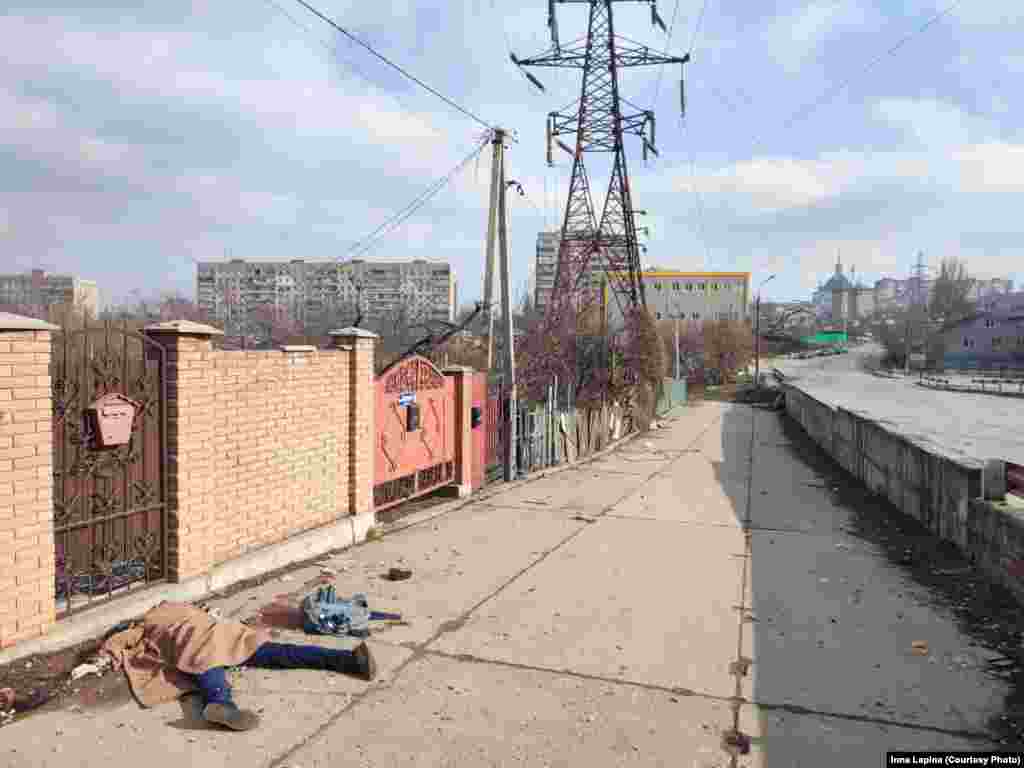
(415, 451)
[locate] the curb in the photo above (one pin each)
(92, 623)
(968, 390)
(495, 489)
(347, 533)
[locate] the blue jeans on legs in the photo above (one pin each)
(213, 683)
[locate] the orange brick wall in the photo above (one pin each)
(27, 605)
(262, 445)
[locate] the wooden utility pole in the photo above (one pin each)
(498, 143)
(506, 311)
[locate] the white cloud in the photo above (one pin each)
(175, 69)
(985, 13)
(151, 139)
(990, 168)
(932, 122)
(798, 35)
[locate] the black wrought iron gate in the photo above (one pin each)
(110, 503)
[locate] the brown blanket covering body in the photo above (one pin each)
(175, 642)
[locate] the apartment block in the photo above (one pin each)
(316, 290)
(691, 296)
(42, 288)
(546, 267)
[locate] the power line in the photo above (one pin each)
(392, 64)
(699, 203)
(809, 108)
(696, 29)
(396, 220)
(329, 48)
(668, 42)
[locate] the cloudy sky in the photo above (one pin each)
(136, 141)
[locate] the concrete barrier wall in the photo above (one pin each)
(932, 488)
(995, 535)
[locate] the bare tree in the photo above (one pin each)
(646, 359)
(174, 306)
(274, 325)
(949, 302)
(728, 346)
(36, 311)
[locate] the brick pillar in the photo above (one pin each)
(362, 415)
(462, 378)
(190, 420)
(27, 595)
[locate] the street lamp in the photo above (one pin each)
(676, 316)
(757, 333)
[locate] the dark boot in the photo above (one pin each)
(365, 665)
(230, 716)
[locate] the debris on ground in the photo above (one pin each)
(920, 647)
(399, 574)
(736, 743)
(584, 518)
(6, 699)
(90, 668)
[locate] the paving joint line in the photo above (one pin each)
(796, 709)
(420, 651)
(737, 526)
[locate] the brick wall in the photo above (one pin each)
(363, 407)
(263, 445)
(27, 607)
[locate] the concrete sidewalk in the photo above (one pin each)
(589, 617)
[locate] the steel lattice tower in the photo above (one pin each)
(592, 250)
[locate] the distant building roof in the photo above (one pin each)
(837, 282)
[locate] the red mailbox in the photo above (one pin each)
(110, 419)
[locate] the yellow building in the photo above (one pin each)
(691, 296)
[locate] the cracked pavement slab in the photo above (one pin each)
(537, 639)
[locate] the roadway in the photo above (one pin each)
(955, 424)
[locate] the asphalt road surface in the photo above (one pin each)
(956, 424)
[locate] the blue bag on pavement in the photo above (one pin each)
(325, 614)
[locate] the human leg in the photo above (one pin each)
(358, 662)
(218, 705)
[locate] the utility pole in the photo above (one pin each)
(677, 345)
(506, 310)
(757, 341)
(498, 143)
(757, 333)
(917, 288)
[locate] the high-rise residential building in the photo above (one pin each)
(982, 290)
(310, 291)
(41, 288)
(546, 267)
(690, 296)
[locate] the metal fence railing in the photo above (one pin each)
(556, 431)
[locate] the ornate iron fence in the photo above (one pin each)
(110, 503)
